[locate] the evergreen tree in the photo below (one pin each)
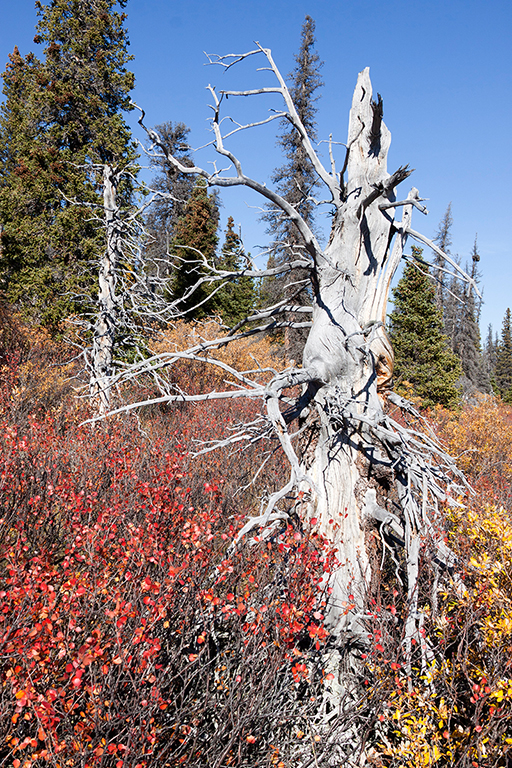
(176, 189)
(443, 239)
(296, 180)
(460, 312)
(236, 299)
(422, 355)
(489, 356)
(195, 239)
(503, 371)
(466, 332)
(29, 172)
(70, 109)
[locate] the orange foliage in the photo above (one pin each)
(480, 438)
(254, 353)
(38, 370)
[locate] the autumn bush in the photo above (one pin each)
(454, 708)
(134, 633)
(253, 353)
(129, 634)
(37, 371)
(480, 438)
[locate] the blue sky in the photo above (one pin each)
(444, 70)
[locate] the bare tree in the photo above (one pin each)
(354, 466)
(130, 299)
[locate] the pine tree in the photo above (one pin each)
(70, 107)
(236, 299)
(195, 239)
(503, 371)
(295, 181)
(176, 189)
(423, 358)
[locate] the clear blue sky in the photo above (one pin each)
(444, 70)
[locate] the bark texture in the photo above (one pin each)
(107, 320)
(348, 355)
(355, 469)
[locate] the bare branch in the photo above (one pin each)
(462, 274)
(415, 202)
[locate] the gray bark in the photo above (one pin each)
(356, 466)
(107, 319)
(348, 359)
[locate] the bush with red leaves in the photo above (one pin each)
(128, 637)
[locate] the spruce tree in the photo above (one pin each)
(466, 332)
(443, 239)
(489, 357)
(295, 181)
(71, 113)
(195, 239)
(460, 311)
(30, 170)
(503, 371)
(423, 358)
(176, 189)
(236, 299)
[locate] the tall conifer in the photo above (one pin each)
(72, 111)
(489, 356)
(466, 332)
(176, 189)
(236, 298)
(443, 239)
(195, 238)
(295, 180)
(503, 371)
(423, 358)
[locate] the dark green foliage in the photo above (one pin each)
(60, 115)
(460, 311)
(490, 356)
(466, 332)
(295, 181)
(503, 370)
(177, 188)
(195, 240)
(443, 240)
(236, 299)
(422, 355)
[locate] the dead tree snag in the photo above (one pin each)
(364, 467)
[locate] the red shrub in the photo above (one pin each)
(127, 635)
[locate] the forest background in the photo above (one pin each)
(444, 87)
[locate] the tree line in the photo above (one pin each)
(64, 117)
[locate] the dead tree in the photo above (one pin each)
(352, 465)
(109, 306)
(130, 302)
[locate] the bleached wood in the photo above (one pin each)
(107, 318)
(346, 373)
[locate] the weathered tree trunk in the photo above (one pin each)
(107, 319)
(348, 354)
(356, 467)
